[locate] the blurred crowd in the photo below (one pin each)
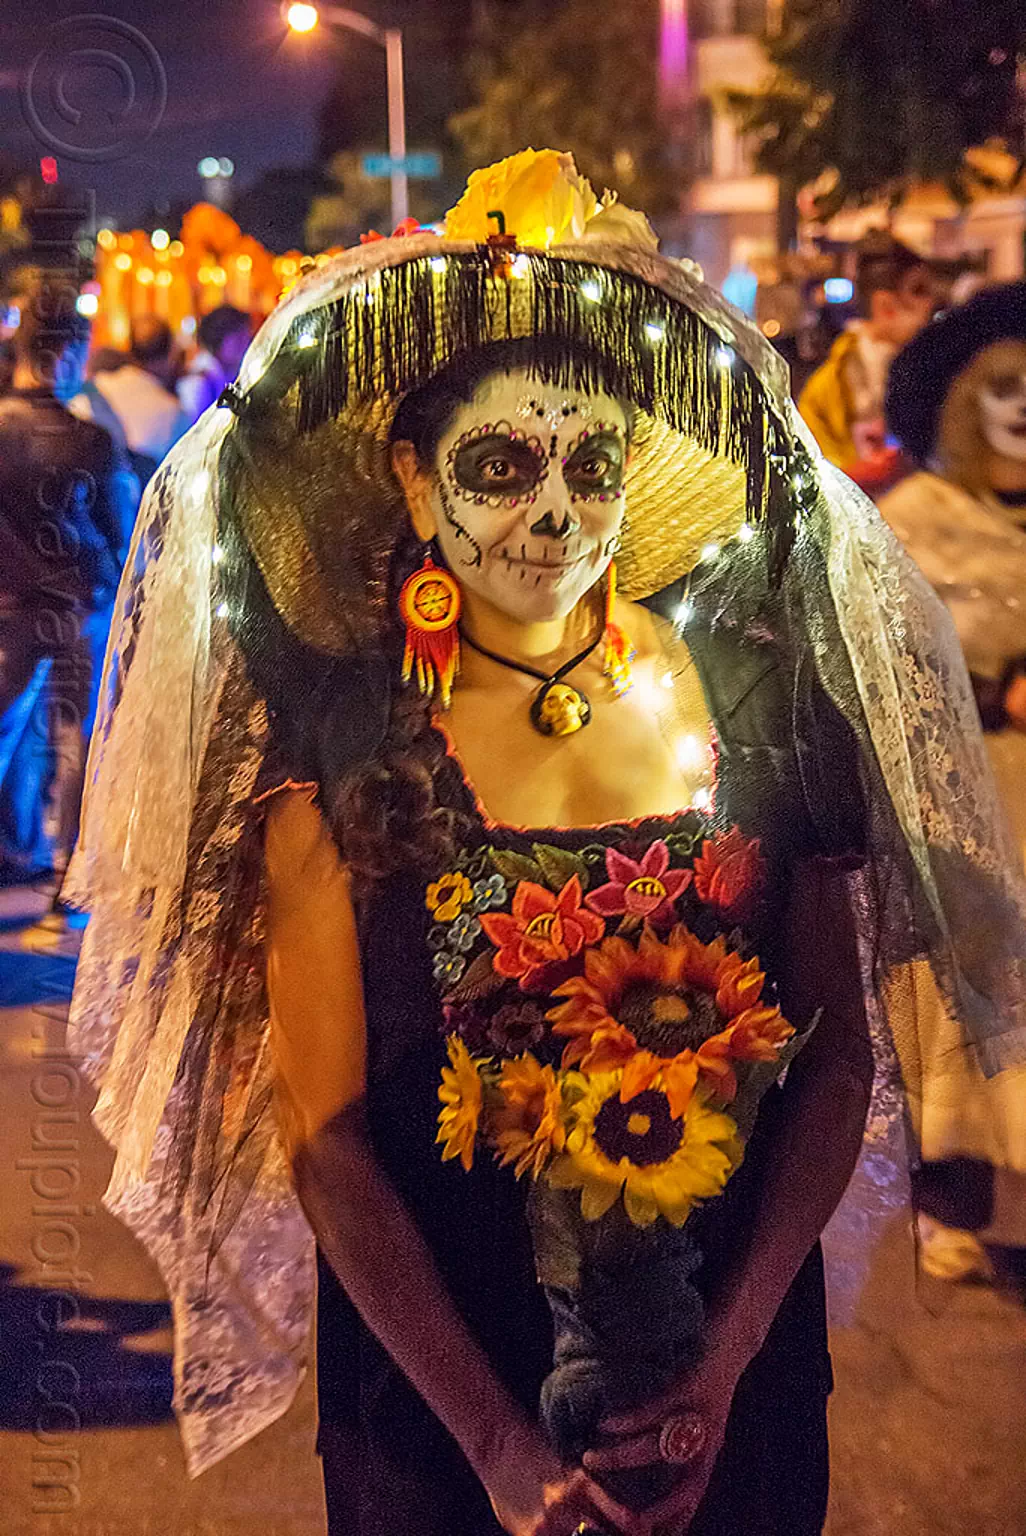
(926, 409)
(81, 433)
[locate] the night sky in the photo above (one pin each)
(237, 86)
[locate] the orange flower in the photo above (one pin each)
(657, 1013)
(756, 1035)
(543, 928)
(729, 874)
(528, 1127)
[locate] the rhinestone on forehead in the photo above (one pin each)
(554, 416)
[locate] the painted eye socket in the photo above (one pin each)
(497, 466)
(1006, 385)
(596, 466)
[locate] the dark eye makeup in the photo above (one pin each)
(596, 465)
(498, 466)
(1004, 385)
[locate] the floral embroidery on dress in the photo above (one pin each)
(645, 888)
(544, 927)
(729, 874)
(605, 1015)
(448, 896)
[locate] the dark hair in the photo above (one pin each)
(215, 328)
(152, 340)
(106, 360)
(881, 266)
(50, 323)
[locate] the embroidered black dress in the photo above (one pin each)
(390, 1468)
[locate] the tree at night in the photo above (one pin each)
(584, 76)
(869, 97)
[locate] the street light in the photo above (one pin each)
(304, 18)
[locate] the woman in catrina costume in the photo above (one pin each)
(522, 758)
(957, 402)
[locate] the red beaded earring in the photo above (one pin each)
(429, 606)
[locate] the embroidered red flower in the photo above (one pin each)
(729, 874)
(542, 928)
(644, 887)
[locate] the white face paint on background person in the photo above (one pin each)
(527, 494)
(1003, 414)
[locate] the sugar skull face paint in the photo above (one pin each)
(1003, 408)
(528, 494)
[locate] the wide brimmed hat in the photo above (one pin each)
(925, 370)
(316, 498)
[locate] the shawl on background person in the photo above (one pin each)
(973, 553)
(287, 496)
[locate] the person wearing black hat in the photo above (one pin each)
(957, 403)
(842, 402)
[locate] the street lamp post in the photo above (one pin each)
(303, 18)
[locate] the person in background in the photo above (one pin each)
(6, 365)
(956, 401)
(224, 335)
(843, 400)
(87, 400)
(141, 395)
(66, 510)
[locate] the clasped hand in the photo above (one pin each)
(574, 1499)
(700, 1402)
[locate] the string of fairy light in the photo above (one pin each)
(692, 752)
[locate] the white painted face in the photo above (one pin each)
(528, 494)
(1003, 414)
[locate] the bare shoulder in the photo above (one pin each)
(299, 850)
(651, 635)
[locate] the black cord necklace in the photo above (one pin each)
(558, 708)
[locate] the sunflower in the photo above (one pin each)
(666, 1012)
(528, 1127)
(663, 1164)
(461, 1095)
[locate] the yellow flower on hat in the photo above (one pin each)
(617, 225)
(540, 193)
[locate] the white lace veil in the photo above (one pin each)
(170, 1012)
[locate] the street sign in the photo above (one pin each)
(420, 167)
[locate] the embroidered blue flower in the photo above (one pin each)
(448, 968)
(490, 892)
(463, 931)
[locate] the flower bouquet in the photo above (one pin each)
(621, 1075)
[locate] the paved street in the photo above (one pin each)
(928, 1419)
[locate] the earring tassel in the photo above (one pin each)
(619, 652)
(436, 659)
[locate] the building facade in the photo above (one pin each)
(731, 215)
